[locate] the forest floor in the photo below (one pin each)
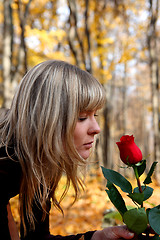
(87, 212)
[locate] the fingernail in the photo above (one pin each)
(131, 234)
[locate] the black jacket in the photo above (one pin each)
(10, 179)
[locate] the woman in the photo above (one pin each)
(48, 131)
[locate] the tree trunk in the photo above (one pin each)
(88, 61)
(7, 53)
(11, 72)
(22, 66)
(124, 90)
(152, 43)
(76, 39)
(73, 35)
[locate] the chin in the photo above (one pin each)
(85, 155)
(85, 158)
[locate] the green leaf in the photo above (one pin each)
(148, 178)
(146, 190)
(136, 220)
(137, 197)
(116, 198)
(141, 167)
(117, 179)
(154, 219)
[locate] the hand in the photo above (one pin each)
(113, 233)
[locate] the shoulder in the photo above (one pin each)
(10, 173)
(8, 159)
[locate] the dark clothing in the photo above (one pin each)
(10, 179)
(10, 175)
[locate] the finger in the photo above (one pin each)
(118, 233)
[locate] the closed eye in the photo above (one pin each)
(82, 119)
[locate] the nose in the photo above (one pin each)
(94, 127)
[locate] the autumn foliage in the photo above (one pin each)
(88, 212)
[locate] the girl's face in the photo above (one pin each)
(85, 130)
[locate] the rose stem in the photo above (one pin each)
(138, 180)
(139, 185)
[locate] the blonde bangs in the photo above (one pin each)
(91, 95)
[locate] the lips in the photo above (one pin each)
(89, 144)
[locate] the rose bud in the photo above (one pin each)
(129, 152)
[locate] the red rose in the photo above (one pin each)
(129, 152)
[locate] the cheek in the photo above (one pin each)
(76, 138)
(78, 134)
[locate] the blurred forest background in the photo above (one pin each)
(118, 41)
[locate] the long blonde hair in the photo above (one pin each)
(41, 123)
